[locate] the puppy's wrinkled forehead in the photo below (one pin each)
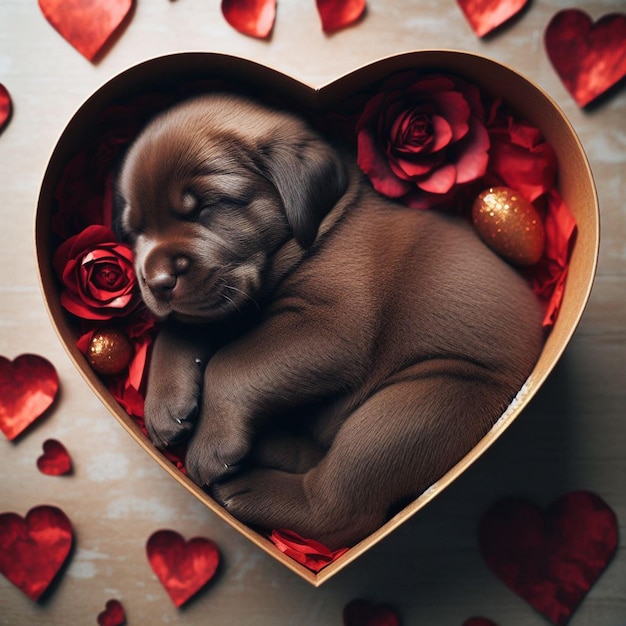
(208, 140)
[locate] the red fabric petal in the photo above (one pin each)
(86, 24)
(519, 156)
(337, 14)
(548, 277)
(440, 180)
(589, 58)
(473, 154)
(182, 567)
(550, 558)
(250, 17)
(309, 552)
(6, 106)
(377, 168)
(33, 549)
(486, 15)
(55, 460)
(28, 386)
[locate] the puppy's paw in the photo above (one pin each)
(213, 456)
(170, 418)
(263, 497)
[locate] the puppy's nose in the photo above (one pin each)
(162, 278)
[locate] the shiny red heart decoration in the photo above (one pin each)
(337, 14)
(182, 567)
(550, 558)
(486, 15)
(6, 106)
(250, 17)
(86, 24)
(32, 550)
(55, 460)
(28, 386)
(589, 58)
(361, 612)
(113, 614)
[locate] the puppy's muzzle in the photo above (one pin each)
(161, 273)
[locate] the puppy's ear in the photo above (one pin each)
(310, 178)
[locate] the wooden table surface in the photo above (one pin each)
(571, 437)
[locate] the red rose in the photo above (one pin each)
(97, 273)
(420, 137)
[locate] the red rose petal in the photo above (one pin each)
(250, 17)
(86, 24)
(183, 568)
(32, 550)
(28, 386)
(550, 558)
(589, 58)
(55, 461)
(6, 106)
(113, 614)
(486, 15)
(337, 14)
(309, 552)
(363, 613)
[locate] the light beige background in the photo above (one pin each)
(572, 436)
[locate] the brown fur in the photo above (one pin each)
(352, 350)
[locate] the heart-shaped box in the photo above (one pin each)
(574, 180)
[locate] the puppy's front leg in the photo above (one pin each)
(291, 360)
(175, 384)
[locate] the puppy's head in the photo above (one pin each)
(210, 190)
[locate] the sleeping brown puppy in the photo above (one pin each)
(329, 354)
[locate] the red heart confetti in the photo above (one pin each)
(183, 568)
(550, 558)
(6, 106)
(337, 14)
(361, 612)
(55, 461)
(113, 614)
(32, 550)
(589, 58)
(28, 386)
(250, 17)
(486, 15)
(86, 24)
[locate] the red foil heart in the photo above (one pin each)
(28, 386)
(6, 106)
(589, 58)
(113, 614)
(364, 613)
(86, 24)
(550, 558)
(486, 15)
(337, 14)
(250, 17)
(183, 568)
(32, 550)
(55, 461)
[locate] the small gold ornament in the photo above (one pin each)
(509, 225)
(110, 351)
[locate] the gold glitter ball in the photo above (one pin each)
(110, 351)
(509, 225)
